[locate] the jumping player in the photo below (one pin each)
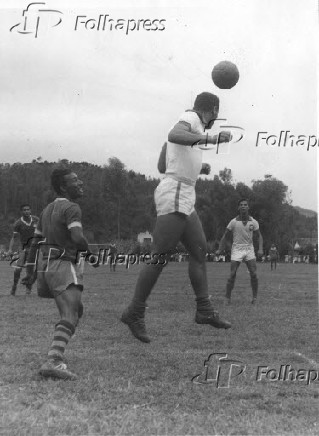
(273, 253)
(177, 220)
(242, 229)
(60, 239)
(23, 231)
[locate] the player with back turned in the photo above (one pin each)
(177, 219)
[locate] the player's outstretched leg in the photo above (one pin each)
(195, 242)
(69, 305)
(167, 233)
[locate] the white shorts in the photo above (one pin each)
(173, 196)
(242, 253)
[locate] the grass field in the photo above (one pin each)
(127, 387)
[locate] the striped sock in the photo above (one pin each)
(62, 334)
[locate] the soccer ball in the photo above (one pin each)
(225, 75)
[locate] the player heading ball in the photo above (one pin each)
(177, 219)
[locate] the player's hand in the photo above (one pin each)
(224, 136)
(205, 169)
(260, 253)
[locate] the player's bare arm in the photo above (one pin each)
(258, 235)
(13, 241)
(79, 239)
(226, 235)
(181, 134)
(161, 164)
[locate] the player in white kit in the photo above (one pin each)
(177, 220)
(242, 229)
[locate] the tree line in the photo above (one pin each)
(118, 203)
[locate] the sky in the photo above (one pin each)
(69, 91)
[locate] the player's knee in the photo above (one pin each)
(199, 254)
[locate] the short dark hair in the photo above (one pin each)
(242, 199)
(57, 178)
(25, 205)
(206, 102)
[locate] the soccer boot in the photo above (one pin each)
(136, 324)
(211, 318)
(254, 300)
(56, 368)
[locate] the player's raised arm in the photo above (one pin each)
(181, 134)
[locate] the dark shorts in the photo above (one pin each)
(57, 276)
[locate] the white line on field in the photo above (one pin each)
(311, 361)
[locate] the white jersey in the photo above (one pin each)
(243, 233)
(184, 162)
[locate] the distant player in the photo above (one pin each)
(177, 220)
(273, 254)
(59, 267)
(23, 231)
(242, 229)
(112, 256)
